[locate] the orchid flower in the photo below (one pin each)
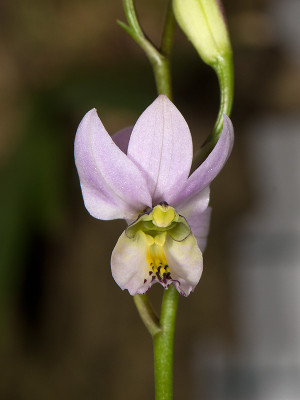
(141, 175)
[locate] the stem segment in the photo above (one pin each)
(163, 330)
(147, 314)
(163, 346)
(224, 70)
(159, 59)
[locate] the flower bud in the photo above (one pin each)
(203, 23)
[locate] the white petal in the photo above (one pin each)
(161, 146)
(112, 186)
(185, 263)
(129, 265)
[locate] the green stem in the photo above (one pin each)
(163, 342)
(147, 314)
(162, 77)
(168, 32)
(158, 59)
(163, 330)
(163, 346)
(224, 70)
(162, 70)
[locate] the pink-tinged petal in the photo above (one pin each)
(197, 214)
(121, 138)
(199, 224)
(185, 263)
(210, 168)
(129, 265)
(112, 186)
(194, 205)
(161, 146)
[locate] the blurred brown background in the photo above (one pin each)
(66, 329)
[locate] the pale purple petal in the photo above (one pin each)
(112, 186)
(199, 224)
(194, 205)
(161, 146)
(129, 265)
(194, 209)
(210, 168)
(185, 263)
(121, 138)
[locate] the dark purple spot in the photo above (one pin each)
(163, 203)
(158, 276)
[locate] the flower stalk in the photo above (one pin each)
(159, 59)
(142, 175)
(162, 331)
(147, 314)
(224, 71)
(164, 345)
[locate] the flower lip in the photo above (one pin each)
(139, 262)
